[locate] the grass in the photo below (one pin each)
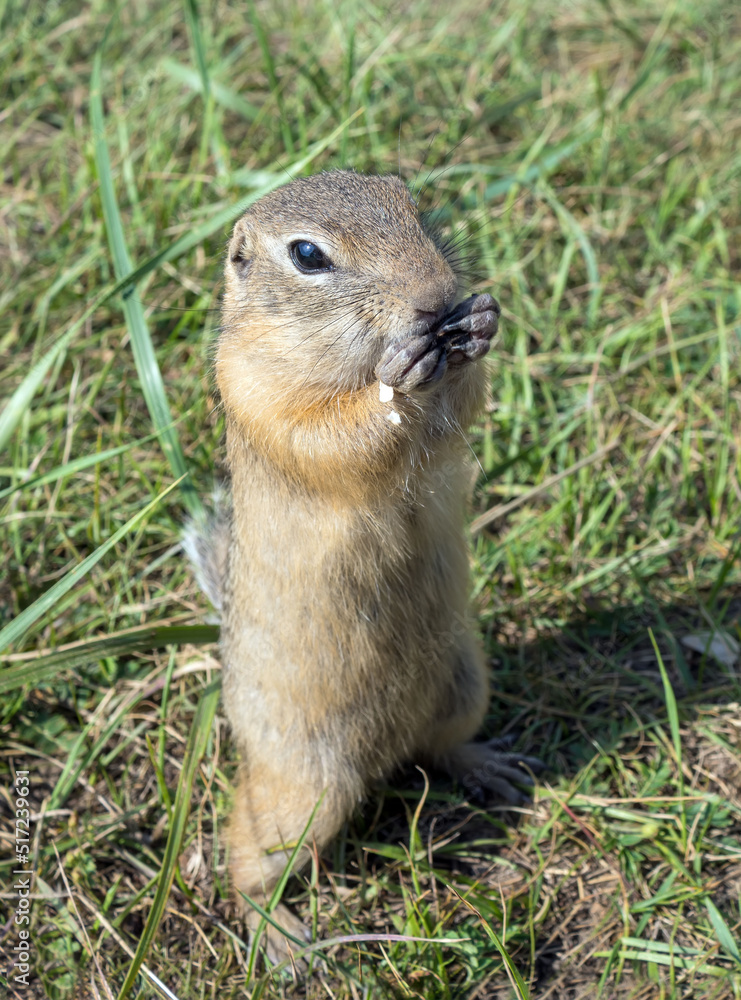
(588, 153)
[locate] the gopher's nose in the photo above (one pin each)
(423, 316)
(432, 301)
(425, 321)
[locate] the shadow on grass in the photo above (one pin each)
(626, 870)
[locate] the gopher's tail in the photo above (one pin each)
(206, 544)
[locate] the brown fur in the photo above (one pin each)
(346, 640)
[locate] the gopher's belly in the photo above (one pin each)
(350, 640)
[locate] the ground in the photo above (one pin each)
(586, 157)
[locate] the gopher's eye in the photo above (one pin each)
(308, 257)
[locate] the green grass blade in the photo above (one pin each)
(191, 16)
(22, 622)
(73, 467)
(590, 260)
(675, 961)
(517, 981)
(501, 110)
(671, 702)
(660, 947)
(144, 356)
(43, 668)
(272, 76)
(194, 751)
(269, 919)
(221, 94)
(515, 978)
(209, 126)
(547, 162)
(673, 713)
(21, 398)
(723, 932)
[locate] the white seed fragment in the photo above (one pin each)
(394, 416)
(385, 392)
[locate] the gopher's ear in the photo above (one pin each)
(240, 248)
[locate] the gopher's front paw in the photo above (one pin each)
(413, 363)
(467, 331)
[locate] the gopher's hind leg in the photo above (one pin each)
(490, 765)
(271, 812)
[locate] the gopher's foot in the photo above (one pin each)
(278, 947)
(493, 766)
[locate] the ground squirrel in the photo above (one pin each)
(347, 379)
